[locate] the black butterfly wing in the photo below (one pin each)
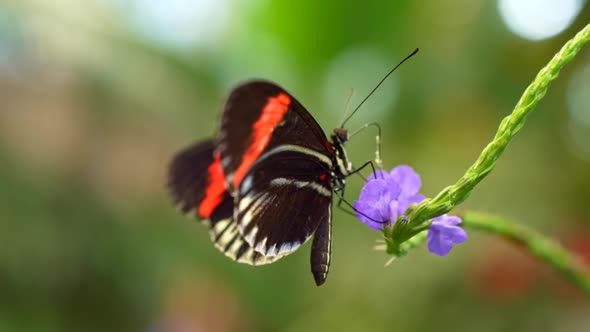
(188, 176)
(197, 185)
(264, 129)
(259, 116)
(277, 161)
(282, 200)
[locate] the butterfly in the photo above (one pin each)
(264, 184)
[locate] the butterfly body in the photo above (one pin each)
(264, 185)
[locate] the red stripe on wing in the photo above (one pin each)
(272, 114)
(216, 187)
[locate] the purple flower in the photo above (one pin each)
(443, 233)
(386, 196)
(377, 202)
(410, 183)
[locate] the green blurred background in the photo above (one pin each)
(96, 96)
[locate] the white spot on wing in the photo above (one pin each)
(245, 202)
(220, 226)
(272, 251)
(232, 252)
(246, 184)
(232, 234)
(251, 207)
(228, 235)
(280, 182)
(225, 161)
(261, 246)
(252, 235)
(288, 247)
(247, 257)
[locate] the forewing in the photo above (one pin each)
(259, 116)
(282, 200)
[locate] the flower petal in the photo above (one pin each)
(451, 220)
(442, 228)
(373, 190)
(394, 188)
(382, 206)
(366, 211)
(437, 244)
(457, 235)
(379, 175)
(408, 180)
(393, 211)
(443, 233)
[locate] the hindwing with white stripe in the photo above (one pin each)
(283, 199)
(231, 243)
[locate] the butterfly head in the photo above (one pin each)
(340, 135)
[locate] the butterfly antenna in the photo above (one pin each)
(347, 103)
(378, 85)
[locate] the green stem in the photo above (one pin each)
(405, 236)
(546, 250)
(550, 252)
(453, 195)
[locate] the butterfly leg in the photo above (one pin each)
(357, 170)
(356, 212)
(340, 191)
